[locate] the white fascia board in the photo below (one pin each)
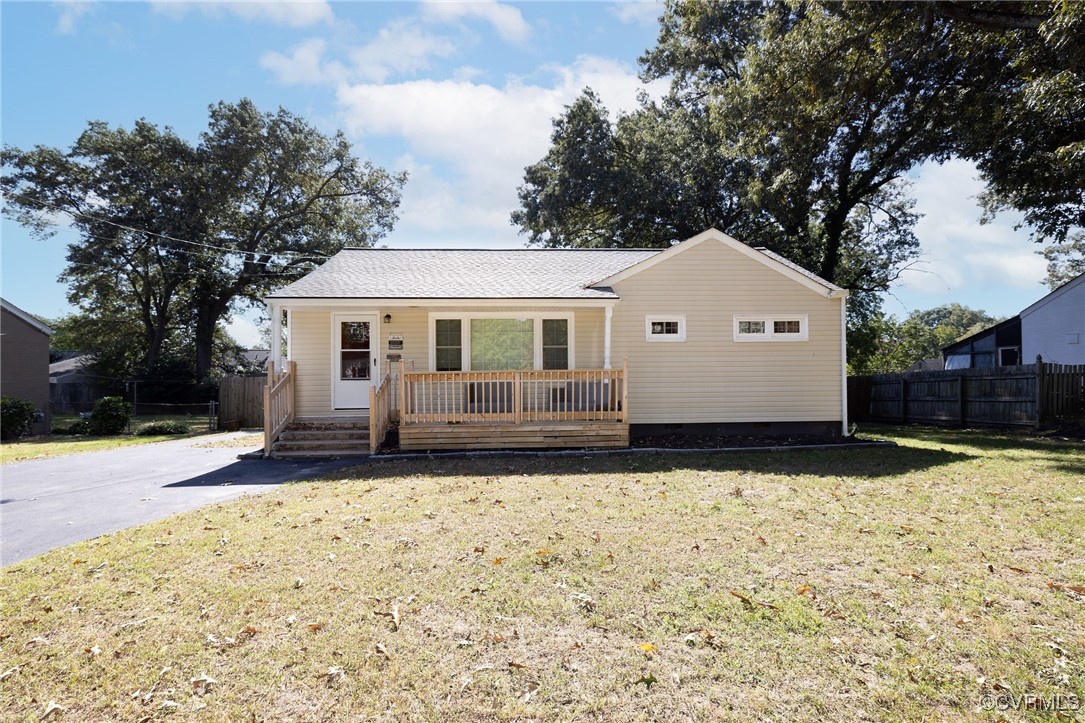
(303, 303)
(1052, 296)
(714, 234)
(16, 311)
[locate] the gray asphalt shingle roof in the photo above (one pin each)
(464, 274)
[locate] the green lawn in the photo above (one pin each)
(865, 584)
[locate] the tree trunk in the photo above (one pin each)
(207, 318)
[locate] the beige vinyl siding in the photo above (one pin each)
(710, 377)
(311, 346)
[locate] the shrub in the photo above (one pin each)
(110, 416)
(16, 417)
(165, 427)
(80, 427)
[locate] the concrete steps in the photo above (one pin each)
(315, 438)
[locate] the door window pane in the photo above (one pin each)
(354, 359)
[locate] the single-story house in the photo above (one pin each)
(1052, 328)
(561, 347)
(24, 360)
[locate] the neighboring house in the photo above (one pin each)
(927, 365)
(1054, 327)
(72, 387)
(24, 360)
(995, 346)
(709, 335)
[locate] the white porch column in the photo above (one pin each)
(606, 337)
(276, 352)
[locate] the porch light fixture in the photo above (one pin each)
(387, 318)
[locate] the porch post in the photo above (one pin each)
(606, 337)
(276, 351)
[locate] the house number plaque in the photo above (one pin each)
(395, 342)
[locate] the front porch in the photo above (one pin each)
(531, 409)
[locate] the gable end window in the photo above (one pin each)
(771, 327)
(665, 328)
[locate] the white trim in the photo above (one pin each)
(289, 335)
(609, 313)
(374, 352)
(650, 319)
(466, 316)
(24, 316)
(359, 303)
(276, 351)
(824, 288)
(844, 368)
(770, 335)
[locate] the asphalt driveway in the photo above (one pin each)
(49, 503)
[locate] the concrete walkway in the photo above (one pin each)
(49, 503)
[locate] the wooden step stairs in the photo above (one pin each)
(323, 438)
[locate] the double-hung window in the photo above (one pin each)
(495, 341)
(771, 327)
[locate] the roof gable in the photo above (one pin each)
(764, 256)
(24, 316)
(1060, 291)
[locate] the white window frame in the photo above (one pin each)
(769, 334)
(665, 338)
(465, 329)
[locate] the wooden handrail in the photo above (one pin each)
(514, 397)
(380, 412)
(278, 402)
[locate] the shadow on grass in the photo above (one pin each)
(265, 472)
(858, 462)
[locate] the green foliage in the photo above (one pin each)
(110, 416)
(175, 235)
(82, 427)
(892, 345)
(16, 417)
(151, 429)
(1065, 261)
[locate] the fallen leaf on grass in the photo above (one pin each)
(8, 673)
(393, 614)
(913, 575)
(499, 560)
(648, 648)
(315, 626)
(595, 536)
(648, 680)
(1018, 570)
(93, 652)
(202, 685)
(834, 614)
(382, 651)
(333, 676)
(513, 665)
(1079, 589)
(805, 590)
(866, 530)
(52, 709)
(750, 602)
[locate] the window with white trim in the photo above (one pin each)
(665, 328)
(485, 341)
(771, 327)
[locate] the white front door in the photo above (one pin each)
(354, 360)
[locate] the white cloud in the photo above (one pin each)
(958, 252)
(293, 13)
(506, 20)
(638, 12)
(400, 47)
(245, 332)
(475, 139)
(69, 11)
(304, 65)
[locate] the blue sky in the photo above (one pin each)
(460, 95)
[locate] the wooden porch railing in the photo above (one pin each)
(380, 412)
(278, 402)
(515, 397)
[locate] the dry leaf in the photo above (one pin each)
(834, 614)
(1018, 570)
(913, 575)
(52, 709)
(742, 597)
(648, 648)
(761, 540)
(8, 673)
(866, 530)
(804, 590)
(516, 666)
(334, 675)
(93, 652)
(315, 626)
(1079, 589)
(543, 551)
(382, 651)
(595, 536)
(202, 685)
(499, 560)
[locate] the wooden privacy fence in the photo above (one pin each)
(241, 400)
(1030, 394)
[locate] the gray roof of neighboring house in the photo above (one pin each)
(464, 274)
